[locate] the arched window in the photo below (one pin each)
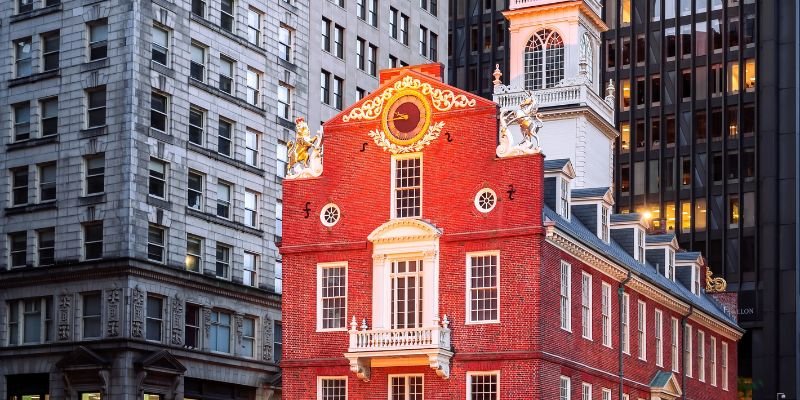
(587, 51)
(544, 60)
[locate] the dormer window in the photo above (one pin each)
(669, 266)
(604, 222)
(640, 245)
(696, 279)
(564, 198)
(407, 186)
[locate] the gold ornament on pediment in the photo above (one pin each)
(715, 285)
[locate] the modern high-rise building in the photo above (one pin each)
(141, 163)
(706, 111)
(350, 41)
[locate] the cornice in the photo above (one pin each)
(586, 111)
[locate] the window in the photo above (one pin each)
(701, 356)
(433, 51)
(713, 360)
(338, 88)
(224, 200)
(626, 334)
(750, 74)
(192, 326)
(278, 276)
(226, 70)
(18, 245)
(332, 388)
(197, 69)
(625, 18)
(24, 6)
(586, 305)
(361, 45)
(250, 268)
(360, 93)
(96, 110)
(284, 101)
(195, 191)
(626, 52)
(156, 243)
(194, 253)
(407, 187)
(199, 8)
(724, 362)
(483, 385)
(393, 17)
(625, 99)
(687, 348)
(95, 174)
(98, 39)
(483, 288)
(606, 311)
(285, 43)
(361, 9)
(50, 50)
(281, 158)
(277, 341)
(220, 332)
(48, 109)
(604, 221)
(734, 77)
(641, 319)
(22, 121)
(158, 178)
(226, 17)
(734, 211)
(407, 387)
(93, 240)
(338, 41)
(423, 41)
(326, 34)
(564, 388)
(23, 56)
(325, 87)
(224, 133)
(19, 186)
(544, 60)
(564, 198)
(406, 294)
(251, 148)
(659, 338)
(160, 45)
(254, 26)
(223, 261)
(30, 321)
(253, 87)
(196, 125)
(248, 337)
(372, 59)
(46, 243)
(373, 12)
(566, 296)
(586, 391)
(278, 218)
(90, 318)
(404, 29)
(158, 111)
(606, 394)
(250, 208)
(640, 245)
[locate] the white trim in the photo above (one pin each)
(321, 378)
(389, 383)
(713, 359)
(724, 362)
(322, 215)
(478, 196)
(675, 345)
(470, 374)
(565, 310)
(626, 333)
(604, 392)
(586, 322)
(641, 321)
(395, 158)
(607, 328)
(688, 354)
(658, 337)
(701, 355)
(320, 267)
(468, 295)
(584, 386)
(568, 380)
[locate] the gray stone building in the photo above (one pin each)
(352, 40)
(140, 168)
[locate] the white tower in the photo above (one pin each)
(555, 47)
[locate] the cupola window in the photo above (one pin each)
(544, 60)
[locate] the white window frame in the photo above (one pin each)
(251, 211)
(225, 262)
(285, 107)
(406, 384)
(470, 289)
(586, 305)
(339, 378)
(586, 391)
(640, 240)
(20, 185)
(156, 179)
(254, 32)
(564, 388)
(253, 82)
(199, 256)
(606, 315)
(216, 324)
(22, 251)
(45, 324)
(658, 325)
(471, 374)
(606, 394)
(162, 246)
(563, 195)
(724, 366)
(696, 287)
(320, 305)
(626, 323)
(161, 318)
(641, 322)
(158, 46)
(565, 302)
(395, 159)
(253, 272)
(605, 216)
(713, 360)
(701, 356)
(675, 345)
(202, 62)
(229, 76)
(286, 43)
(227, 202)
(98, 317)
(99, 42)
(195, 191)
(688, 354)
(249, 339)
(44, 186)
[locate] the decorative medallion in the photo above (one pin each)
(715, 285)
(485, 200)
(330, 215)
(406, 117)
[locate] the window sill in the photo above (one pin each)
(36, 13)
(162, 69)
(28, 208)
(160, 136)
(34, 78)
(219, 93)
(224, 222)
(224, 159)
(285, 123)
(160, 203)
(91, 199)
(242, 41)
(25, 144)
(95, 131)
(94, 64)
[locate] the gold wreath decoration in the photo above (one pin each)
(379, 136)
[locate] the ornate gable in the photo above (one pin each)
(404, 230)
(664, 386)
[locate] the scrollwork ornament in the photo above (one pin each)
(266, 332)
(64, 306)
(113, 311)
(207, 321)
(379, 136)
(138, 312)
(177, 318)
(715, 285)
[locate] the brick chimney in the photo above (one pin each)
(434, 70)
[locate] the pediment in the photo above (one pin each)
(665, 384)
(404, 230)
(162, 361)
(82, 358)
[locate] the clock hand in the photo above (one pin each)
(399, 116)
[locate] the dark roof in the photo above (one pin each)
(663, 238)
(687, 256)
(614, 252)
(555, 165)
(631, 217)
(589, 192)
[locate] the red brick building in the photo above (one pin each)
(419, 264)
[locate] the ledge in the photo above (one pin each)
(161, 136)
(224, 222)
(92, 199)
(285, 123)
(160, 203)
(36, 13)
(34, 78)
(93, 65)
(26, 144)
(227, 160)
(96, 131)
(219, 93)
(162, 69)
(238, 39)
(28, 208)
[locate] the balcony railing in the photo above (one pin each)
(509, 98)
(517, 4)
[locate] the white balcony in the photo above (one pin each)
(517, 4)
(578, 94)
(399, 347)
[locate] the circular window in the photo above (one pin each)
(485, 200)
(330, 215)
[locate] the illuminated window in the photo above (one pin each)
(626, 13)
(733, 77)
(734, 211)
(669, 209)
(700, 214)
(750, 74)
(625, 86)
(686, 216)
(625, 137)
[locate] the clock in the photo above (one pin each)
(406, 117)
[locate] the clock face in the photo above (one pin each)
(406, 118)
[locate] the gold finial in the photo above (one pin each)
(715, 285)
(497, 74)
